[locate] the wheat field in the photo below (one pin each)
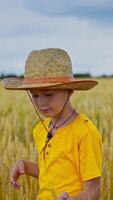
(17, 119)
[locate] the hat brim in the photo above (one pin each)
(18, 84)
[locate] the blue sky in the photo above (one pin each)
(84, 28)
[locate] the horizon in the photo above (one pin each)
(3, 75)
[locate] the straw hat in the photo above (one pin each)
(48, 68)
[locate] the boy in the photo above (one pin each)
(68, 143)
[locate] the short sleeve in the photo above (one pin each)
(90, 155)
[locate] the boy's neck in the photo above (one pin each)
(69, 113)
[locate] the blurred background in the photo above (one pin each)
(84, 28)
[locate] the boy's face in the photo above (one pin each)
(50, 102)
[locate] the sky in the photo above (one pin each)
(84, 28)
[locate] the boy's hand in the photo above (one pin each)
(17, 170)
(64, 196)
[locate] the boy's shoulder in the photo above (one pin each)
(84, 125)
(86, 121)
(39, 127)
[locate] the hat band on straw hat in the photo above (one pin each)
(48, 68)
(49, 80)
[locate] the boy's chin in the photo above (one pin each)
(48, 115)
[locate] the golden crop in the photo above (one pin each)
(17, 119)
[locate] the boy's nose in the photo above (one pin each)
(42, 101)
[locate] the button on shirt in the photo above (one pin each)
(73, 155)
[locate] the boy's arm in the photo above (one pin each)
(23, 167)
(31, 168)
(91, 191)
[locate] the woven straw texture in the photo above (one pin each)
(48, 68)
(49, 62)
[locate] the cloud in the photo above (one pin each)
(102, 9)
(90, 44)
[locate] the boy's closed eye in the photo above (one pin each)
(48, 95)
(36, 95)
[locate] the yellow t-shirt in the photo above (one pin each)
(73, 155)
